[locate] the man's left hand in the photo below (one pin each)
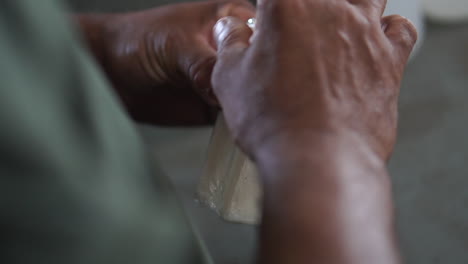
(160, 60)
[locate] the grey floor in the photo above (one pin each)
(429, 168)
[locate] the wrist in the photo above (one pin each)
(327, 184)
(306, 149)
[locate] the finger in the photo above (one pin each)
(232, 36)
(198, 66)
(401, 33)
(374, 8)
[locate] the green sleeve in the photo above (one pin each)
(75, 183)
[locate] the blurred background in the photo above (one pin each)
(430, 165)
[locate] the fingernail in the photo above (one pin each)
(220, 26)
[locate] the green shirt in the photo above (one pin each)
(76, 185)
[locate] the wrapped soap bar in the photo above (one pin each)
(230, 183)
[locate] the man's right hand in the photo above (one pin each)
(313, 101)
(314, 67)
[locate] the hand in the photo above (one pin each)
(160, 60)
(313, 68)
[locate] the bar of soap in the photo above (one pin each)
(230, 183)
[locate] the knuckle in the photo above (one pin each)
(408, 33)
(394, 17)
(411, 31)
(355, 17)
(401, 30)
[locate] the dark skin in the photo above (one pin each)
(313, 101)
(311, 98)
(160, 60)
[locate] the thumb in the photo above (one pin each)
(232, 36)
(401, 33)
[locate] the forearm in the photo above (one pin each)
(331, 204)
